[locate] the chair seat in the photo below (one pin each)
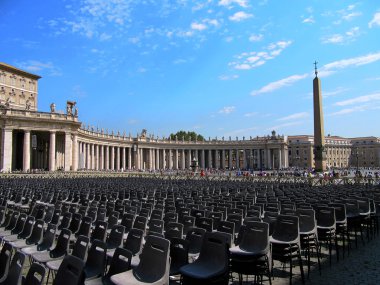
(135, 261)
(202, 270)
(10, 238)
(20, 244)
(29, 250)
(295, 241)
(237, 251)
(96, 281)
(42, 257)
(54, 264)
(130, 278)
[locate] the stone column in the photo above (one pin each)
(163, 159)
(237, 159)
(137, 155)
(92, 156)
(157, 159)
(75, 153)
(279, 158)
(170, 158)
(203, 159)
(101, 157)
(188, 162)
(183, 160)
(52, 152)
(209, 158)
(68, 151)
(230, 159)
(130, 158)
(117, 149)
(112, 150)
(175, 159)
(7, 144)
(259, 166)
(26, 151)
(123, 157)
(107, 157)
(244, 159)
(97, 157)
(196, 155)
(223, 159)
(269, 159)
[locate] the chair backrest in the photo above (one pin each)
(140, 223)
(80, 247)
(5, 258)
(85, 227)
(255, 238)
(55, 217)
(48, 239)
(62, 246)
(188, 223)
(70, 271)
(13, 221)
(127, 221)
(286, 229)
(35, 276)
(204, 223)
(154, 260)
(134, 241)
(340, 212)
(113, 219)
(96, 258)
(174, 230)
(15, 270)
(307, 220)
(226, 227)
(120, 262)
(75, 222)
(179, 254)
(100, 231)
(115, 238)
(7, 218)
(37, 233)
(156, 226)
(27, 230)
(195, 238)
(20, 224)
(2, 213)
(325, 217)
(65, 222)
(214, 251)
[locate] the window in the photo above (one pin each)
(31, 85)
(13, 80)
(22, 83)
(2, 77)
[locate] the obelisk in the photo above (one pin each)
(319, 137)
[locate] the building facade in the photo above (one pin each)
(34, 140)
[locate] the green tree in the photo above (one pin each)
(182, 135)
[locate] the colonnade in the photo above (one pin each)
(26, 149)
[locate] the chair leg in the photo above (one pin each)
(301, 266)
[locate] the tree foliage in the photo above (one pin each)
(182, 135)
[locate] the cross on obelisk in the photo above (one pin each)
(319, 137)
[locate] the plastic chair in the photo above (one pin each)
(179, 251)
(45, 244)
(70, 271)
(326, 226)
(35, 237)
(100, 231)
(15, 270)
(212, 266)
(115, 239)
(120, 262)
(35, 276)
(5, 259)
(79, 250)
(25, 233)
(153, 267)
(174, 230)
(251, 256)
(286, 243)
(195, 238)
(309, 235)
(96, 260)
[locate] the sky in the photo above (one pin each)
(220, 68)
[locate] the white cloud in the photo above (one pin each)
(250, 60)
(250, 114)
(285, 125)
(360, 99)
(350, 16)
(375, 20)
(360, 108)
(242, 3)
(228, 77)
(39, 66)
(288, 81)
(256, 38)
(240, 131)
(227, 110)
(296, 116)
(337, 91)
(309, 20)
(104, 37)
(333, 39)
(240, 16)
(355, 61)
(198, 26)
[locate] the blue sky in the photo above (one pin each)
(216, 67)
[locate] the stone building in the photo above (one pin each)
(35, 140)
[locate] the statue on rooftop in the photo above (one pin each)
(52, 108)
